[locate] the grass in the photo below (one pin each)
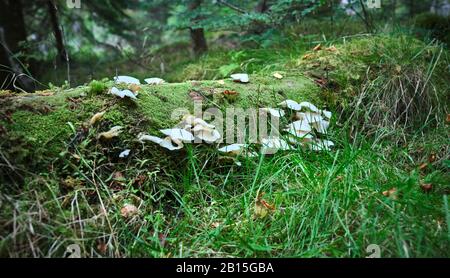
(193, 203)
(326, 205)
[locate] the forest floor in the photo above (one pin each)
(384, 185)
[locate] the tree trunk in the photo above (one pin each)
(12, 33)
(199, 44)
(57, 31)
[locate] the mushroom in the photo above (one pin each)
(178, 134)
(293, 105)
(113, 132)
(272, 145)
(122, 94)
(97, 117)
(124, 154)
(206, 133)
(154, 81)
(240, 77)
(320, 145)
(127, 80)
(165, 143)
(274, 112)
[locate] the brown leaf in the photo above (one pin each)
(307, 56)
(195, 96)
(391, 193)
(102, 247)
(262, 207)
(128, 210)
(317, 47)
(426, 187)
(432, 158)
(423, 166)
(447, 120)
(332, 48)
(134, 88)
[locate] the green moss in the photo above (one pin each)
(97, 87)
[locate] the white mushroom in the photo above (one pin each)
(127, 80)
(320, 145)
(154, 81)
(274, 112)
(321, 126)
(272, 145)
(178, 134)
(293, 105)
(206, 134)
(234, 148)
(166, 143)
(122, 94)
(327, 114)
(124, 154)
(309, 117)
(310, 106)
(240, 77)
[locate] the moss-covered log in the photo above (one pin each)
(36, 128)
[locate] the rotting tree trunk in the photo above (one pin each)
(57, 31)
(12, 33)
(199, 44)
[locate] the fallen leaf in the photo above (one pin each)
(128, 210)
(134, 88)
(391, 193)
(432, 158)
(307, 56)
(230, 95)
(262, 207)
(317, 47)
(426, 187)
(423, 166)
(447, 120)
(102, 247)
(113, 132)
(97, 117)
(332, 48)
(277, 75)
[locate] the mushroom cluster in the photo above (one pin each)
(188, 130)
(308, 122)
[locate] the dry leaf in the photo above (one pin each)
(307, 56)
(391, 193)
(432, 158)
(277, 75)
(128, 210)
(423, 166)
(317, 47)
(262, 207)
(447, 120)
(426, 187)
(97, 117)
(134, 88)
(113, 132)
(332, 48)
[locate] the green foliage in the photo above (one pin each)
(97, 87)
(435, 25)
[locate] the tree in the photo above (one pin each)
(199, 44)
(63, 55)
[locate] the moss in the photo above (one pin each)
(97, 87)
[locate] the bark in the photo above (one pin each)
(199, 44)
(57, 31)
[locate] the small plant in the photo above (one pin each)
(97, 87)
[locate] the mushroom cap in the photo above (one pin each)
(154, 81)
(127, 80)
(291, 104)
(178, 134)
(241, 77)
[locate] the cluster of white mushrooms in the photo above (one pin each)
(308, 122)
